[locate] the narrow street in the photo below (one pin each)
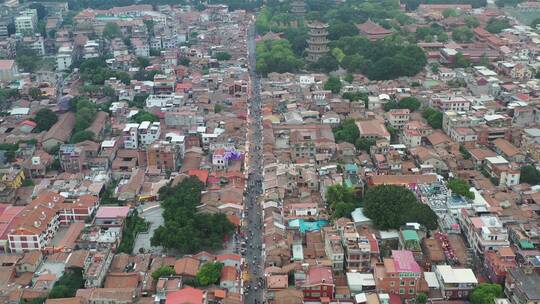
(254, 286)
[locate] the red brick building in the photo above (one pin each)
(497, 263)
(319, 284)
(400, 275)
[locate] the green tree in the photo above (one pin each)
(144, 116)
(34, 92)
(326, 64)
(218, 108)
(390, 206)
(485, 293)
(185, 229)
(421, 298)
(497, 25)
(530, 175)
(340, 29)
(209, 273)
(347, 131)
(223, 56)
(341, 201)
(349, 78)
(433, 117)
(27, 60)
(364, 143)
(464, 152)
(355, 96)
(276, 56)
(460, 187)
(535, 22)
(450, 12)
(460, 61)
(333, 84)
(45, 119)
(112, 30)
(297, 37)
(462, 34)
(142, 62)
(139, 101)
(163, 271)
(410, 103)
(67, 284)
(471, 21)
(81, 136)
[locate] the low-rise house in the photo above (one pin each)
(497, 263)
(400, 275)
(455, 283)
(521, 284)
(319, 284)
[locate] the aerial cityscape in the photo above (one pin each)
(270, 152)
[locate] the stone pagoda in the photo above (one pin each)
(317, 41)
(298, 8)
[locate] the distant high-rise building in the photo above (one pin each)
(317, 41)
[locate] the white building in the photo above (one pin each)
(131, 136)
(64, 58)
(149, 132)
(163, 101)
(91, 49)
(26, 22)
(483, 232)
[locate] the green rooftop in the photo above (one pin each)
(410, 235)
(526, 244)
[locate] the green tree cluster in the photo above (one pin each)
(462, 34)
(460, 187)
(297, 37)
(139, 101)
(511, 3)
(27, 60)
(410, 103)
(9, 151)
(485, 293)
(464, 152)
(413, 4)
(341, 201)
(143, 115)
(81, 136)
(535, 22)
(450, 12)
(497, 25)
(347, 131)
(163, 271)
(428, 33)
(44, 119)
(530, 175)
(390, 207)
(471, 21)
(326, 64)
(209, 273)
(364, 143)
(381, 59)
(95, 71)
(460, 61)
(134, 224)
(223, 56)
(276, 56)
(355, 96)
(67, 284)
(433, 117)
(333, 84)
(184, 228)
(112, 30)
